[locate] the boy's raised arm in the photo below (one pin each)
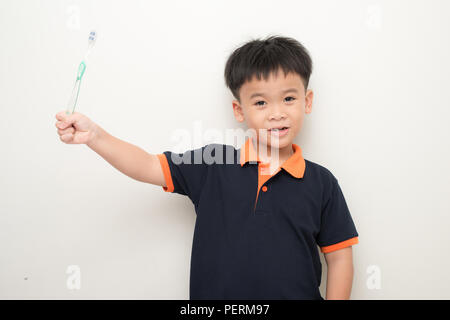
(125, 157)
(128, 158)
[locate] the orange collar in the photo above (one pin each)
(295, 165)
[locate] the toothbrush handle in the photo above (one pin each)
(73, 97)
(76, 89)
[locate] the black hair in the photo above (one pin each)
(261, 57)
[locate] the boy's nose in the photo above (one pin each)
(277, 113)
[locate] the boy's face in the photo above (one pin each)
(267, 104)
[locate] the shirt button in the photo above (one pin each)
(264, 188)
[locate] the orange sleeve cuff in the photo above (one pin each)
(166, 170)
(339, 245)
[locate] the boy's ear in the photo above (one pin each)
(238, 112)
(308, 100)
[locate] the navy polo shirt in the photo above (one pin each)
(257, 235)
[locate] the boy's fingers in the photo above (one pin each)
(61, 116)
(67, 130)
(66, 137)
(67, 120)
(62, 124)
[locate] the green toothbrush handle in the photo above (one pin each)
(76, 89)
(81, 69)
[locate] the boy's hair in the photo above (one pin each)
(266, 56)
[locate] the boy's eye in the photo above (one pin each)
(259, 103)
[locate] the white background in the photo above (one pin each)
(379, 124)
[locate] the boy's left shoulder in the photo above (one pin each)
(318, 171)
(320, 176)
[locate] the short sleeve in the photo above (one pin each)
(337, 229)
(184, 173)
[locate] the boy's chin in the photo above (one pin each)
(275, 143)
(280, 145)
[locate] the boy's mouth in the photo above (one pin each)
(278, 131)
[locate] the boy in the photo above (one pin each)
(261, 217)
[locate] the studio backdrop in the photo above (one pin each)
(74, 227)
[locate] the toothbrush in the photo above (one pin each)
(81, 68)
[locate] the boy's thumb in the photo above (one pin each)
(67, 119)
(63, 115)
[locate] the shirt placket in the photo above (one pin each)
(263, 185)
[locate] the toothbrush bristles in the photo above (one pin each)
(92, 36)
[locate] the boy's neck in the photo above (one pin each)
(283, 154)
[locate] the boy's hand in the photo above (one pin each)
(75, 128)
